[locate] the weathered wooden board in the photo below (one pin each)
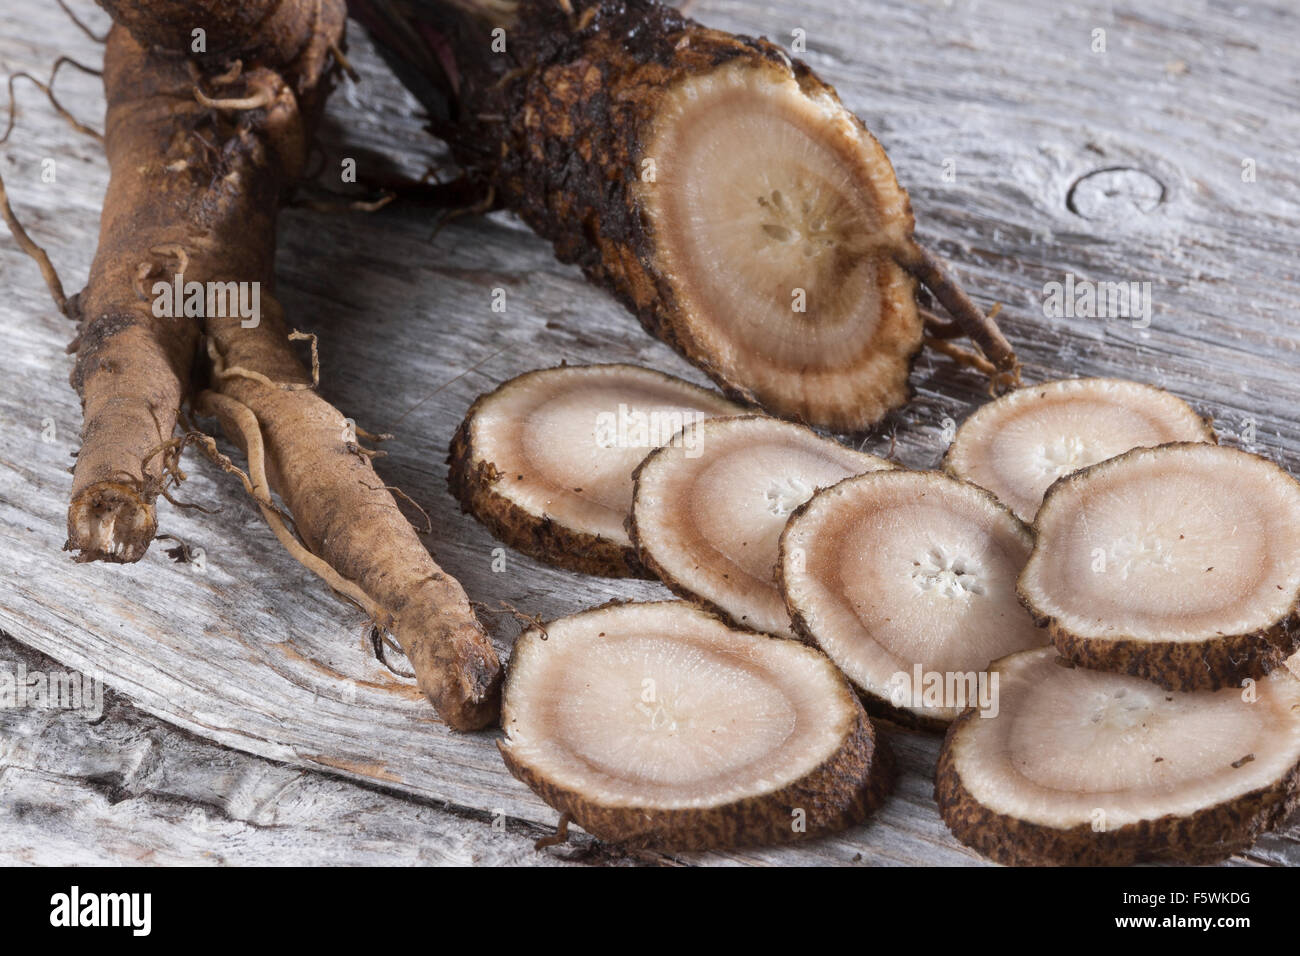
(253, 654)
(123, 788)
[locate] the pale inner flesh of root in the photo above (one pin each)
(661, 705)
(1181, 543)
(1071, 746)
(776, 218)
(568, 439)
(1021, 443)
(904, 570)
(710, 510)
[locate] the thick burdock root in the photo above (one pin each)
(193, 192)
(355, 536)
(720, 190)
(202, 149)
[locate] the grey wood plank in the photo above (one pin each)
(108, 785)
(253, 654)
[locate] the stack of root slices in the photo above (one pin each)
(546, 460)
(1166, 572)
(1159, 567)
(710, 506)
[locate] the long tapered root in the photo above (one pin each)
(348, 528)
(202, 146)
(240, 419)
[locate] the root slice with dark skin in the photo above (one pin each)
(1177, 564)
(718, 189)
(710, 506)
(201, 150)
(1085, 768)
(1019, 444)
(907, 580)
(546, 460)
(656, 725)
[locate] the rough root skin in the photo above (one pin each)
(1193, 839)
(1183, 665)
(133, 368)
(558, 128)
(177, 204)
(326, 487)
(202, 151)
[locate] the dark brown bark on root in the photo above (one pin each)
(559, 123)
(1224, 661)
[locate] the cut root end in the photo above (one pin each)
(111, 521)
(774, 224)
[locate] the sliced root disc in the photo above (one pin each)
(546, 460)
(1080, 767)
(657, 725)
(907, 580)
(709, 510)
(1021, 443)
(777, 219)
(1178, 564)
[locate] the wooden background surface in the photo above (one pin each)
(250, 718)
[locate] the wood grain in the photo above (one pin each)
(121, 788)
(253, 654)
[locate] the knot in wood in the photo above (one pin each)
(1115, 192)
